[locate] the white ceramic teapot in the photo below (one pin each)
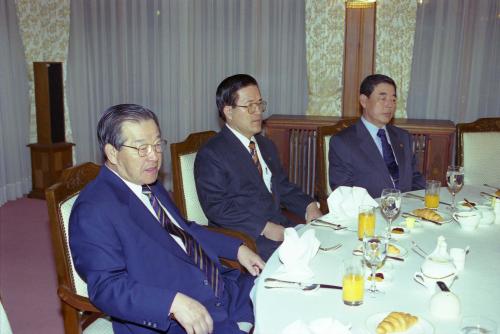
(438, 266)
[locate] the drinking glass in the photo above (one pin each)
(353, 282)
(366, 221)
(432, 188)
(455, 181)
(374, 253)
(478, 325)
(390, 204)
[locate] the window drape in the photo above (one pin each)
(171, 55)
(15, 178)
(456, 61)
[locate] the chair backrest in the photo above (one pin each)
(478, 150)
(324, 134)
(60, 199)
(185, 195)
(4, 321)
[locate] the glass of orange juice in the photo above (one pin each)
(432, 188)
(353, 282)
(366, 221)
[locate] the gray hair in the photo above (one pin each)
(109, 128)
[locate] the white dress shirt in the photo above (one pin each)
(137, 190)
(266, 172)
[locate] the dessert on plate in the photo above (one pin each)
(428, 214)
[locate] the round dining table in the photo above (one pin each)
(477, 286)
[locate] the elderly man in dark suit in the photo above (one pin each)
(144, 265)
(372, 153)
(240, 182)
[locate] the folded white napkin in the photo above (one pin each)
(344, 202)
(318, 326)
(295, 253)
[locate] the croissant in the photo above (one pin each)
(396, 322)
(428, 214)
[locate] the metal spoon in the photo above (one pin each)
(334, 247)
(471, 204)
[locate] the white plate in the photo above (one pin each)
(421, 327)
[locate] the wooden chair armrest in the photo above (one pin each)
(78, 302)
(249, 242)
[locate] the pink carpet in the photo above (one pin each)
(28, 279)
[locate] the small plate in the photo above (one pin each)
(405, 231)
(387, 277)
(421, 327)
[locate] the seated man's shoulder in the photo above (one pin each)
(398, 130)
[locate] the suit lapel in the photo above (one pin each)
(397, 147)
(244, 159)
(142, 217)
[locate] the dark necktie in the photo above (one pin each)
(255, 156)
(193, 248)
(389, 159)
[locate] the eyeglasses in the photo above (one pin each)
(144, 149)
(252, 108)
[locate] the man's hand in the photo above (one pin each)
(313, 212)
(251, 261)
(274, 231)
(192, 315)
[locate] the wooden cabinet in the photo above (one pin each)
(47, 163)
(295, 137)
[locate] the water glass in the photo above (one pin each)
(455, 182)
(390, 204)
(478, 325)
(374, 253)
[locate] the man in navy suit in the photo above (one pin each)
(372, 153)
(137, 271)
(239, 179)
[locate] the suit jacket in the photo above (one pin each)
(233, 193)
(354, 160)
(134, 268)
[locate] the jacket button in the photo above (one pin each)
(205, 282)
(218, 304)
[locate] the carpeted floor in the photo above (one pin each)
(28, 280)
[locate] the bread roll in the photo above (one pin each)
(396, 322)
(428, 214)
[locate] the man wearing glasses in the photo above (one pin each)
(144, 265)
(239, 179)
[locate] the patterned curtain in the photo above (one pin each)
(325, 24)
(44, 26)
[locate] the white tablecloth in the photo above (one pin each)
(477, 285)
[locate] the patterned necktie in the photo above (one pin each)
(389, 158)
(255, 156)
(193, 248)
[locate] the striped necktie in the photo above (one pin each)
(193, 248)
(255, 156)
(389, 159)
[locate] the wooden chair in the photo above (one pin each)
(185, 195)
(324, 133)
(79, 315)
(4, 321)
(478, 150)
